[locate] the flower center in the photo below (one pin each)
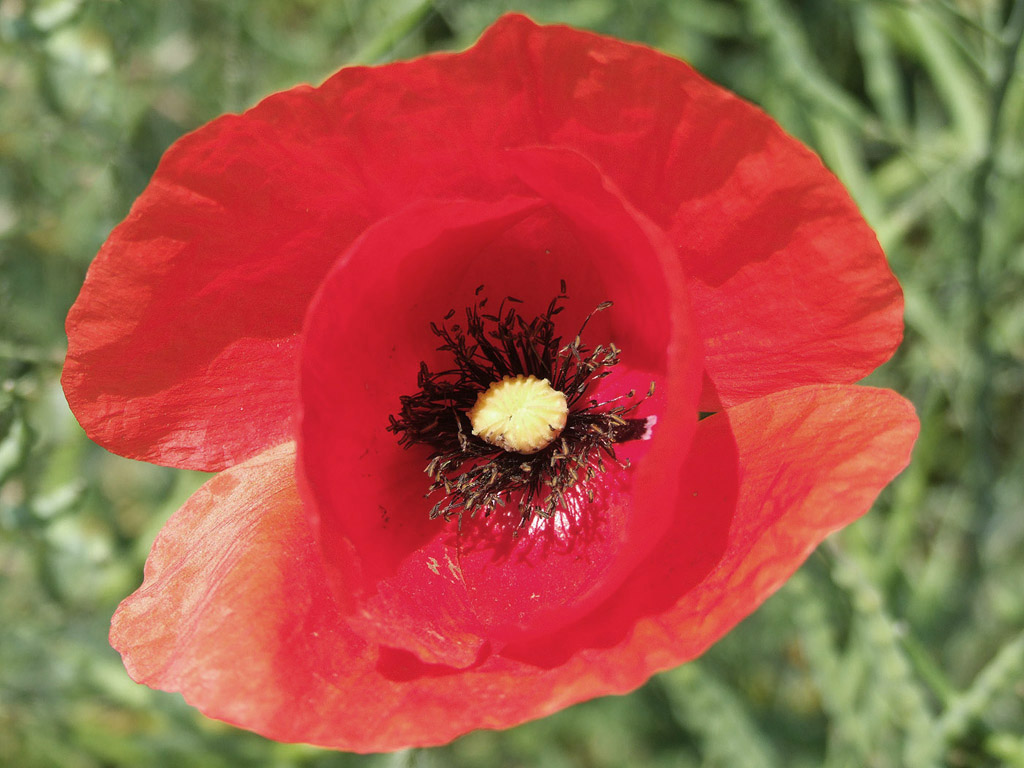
(520, 414)
(513, 419)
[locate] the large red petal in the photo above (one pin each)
(789, 284)
(236, 614)
(766, 481)
(808, 461)
(182, 344)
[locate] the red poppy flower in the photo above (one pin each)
(272, 306)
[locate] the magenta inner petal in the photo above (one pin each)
(441, 589)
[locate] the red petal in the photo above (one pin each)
(235, 611)
(789, 284)
(182, 346)
(810, 461)
(765, 483)
(405, 273)
(182, 343)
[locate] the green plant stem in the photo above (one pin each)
(996, 678)
(406, 19)
(10, 351)
(982, 473)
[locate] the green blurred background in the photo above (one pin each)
(900, 643)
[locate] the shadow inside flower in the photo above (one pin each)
(402, 666)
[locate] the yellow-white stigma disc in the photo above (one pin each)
(519, 414)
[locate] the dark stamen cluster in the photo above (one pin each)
(474, 475)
